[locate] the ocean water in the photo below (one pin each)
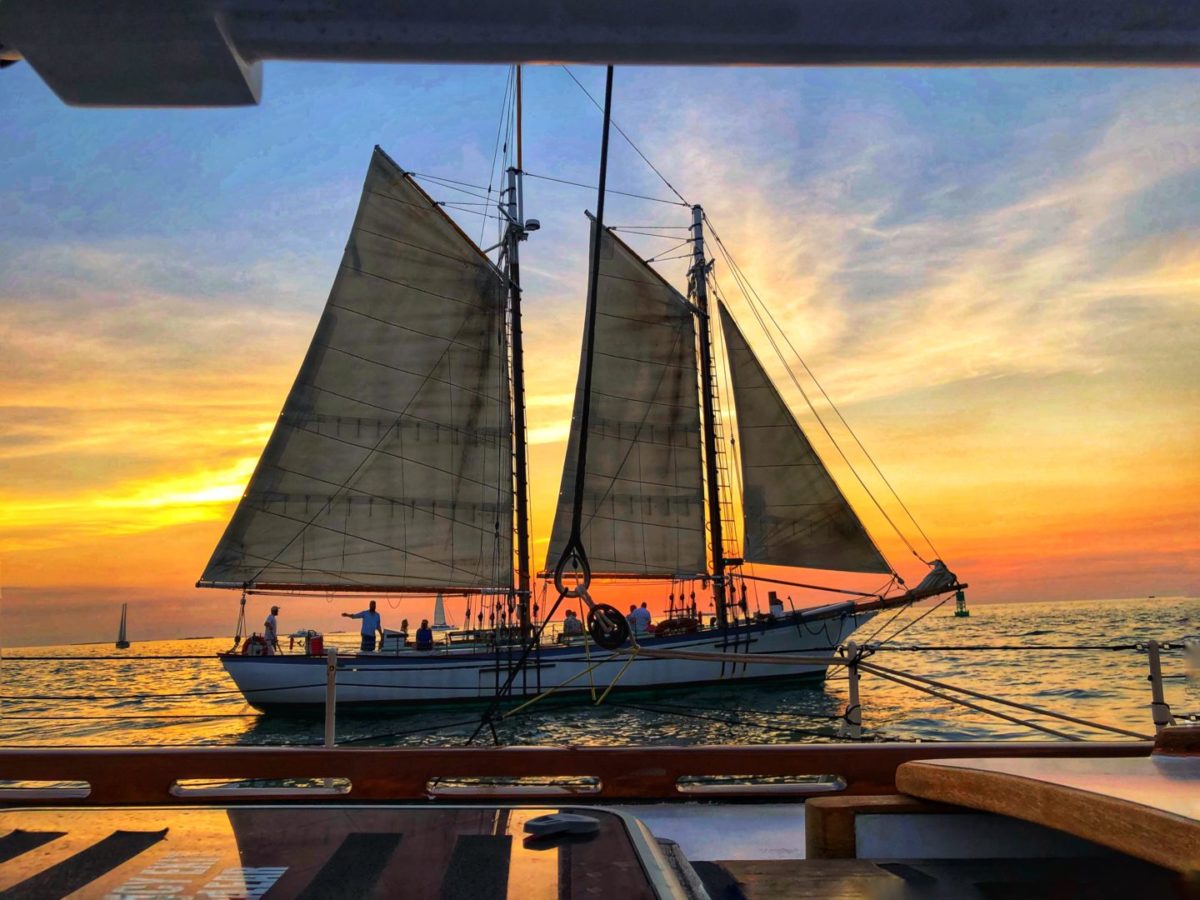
(175, 692)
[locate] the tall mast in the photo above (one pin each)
(699, 279)
(514, 234)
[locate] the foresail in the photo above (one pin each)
(795, 515)
(643, 511)
(390, 466)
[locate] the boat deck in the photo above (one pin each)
(939, 879)
(323, 852)
(482, 852)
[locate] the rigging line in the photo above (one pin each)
(651, 227)
(950, 698)
(659, 256)
(448, 180)
(126, 658)
(936, 648)
(481, 199)
(828, 717)
(487, 718)
(109, 717)
(887, 622)
(562, 684)
(447, 204)
(175, 696)
(814, 587)
(592, 187)
(675, 711)
(496, 147)
(1037, 710)
(574, 549)
(628, 139)
(896, 634)
(770, 337)
(653, 234)
(832, 405)
(411, 731)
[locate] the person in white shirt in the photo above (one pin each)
(271, 632)
(641, 619)
(371, 624)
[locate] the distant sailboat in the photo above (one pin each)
(122, 640)
(439, 614)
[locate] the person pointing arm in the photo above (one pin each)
(371, 624)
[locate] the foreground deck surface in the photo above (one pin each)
(948, 879)
(319, 852)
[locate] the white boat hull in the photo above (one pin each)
(451, 676)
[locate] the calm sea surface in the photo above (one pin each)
(83, 700)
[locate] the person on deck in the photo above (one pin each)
(424, 636)
(371, 625)
(632, 618)
(571, 624)
(641, 619)
(271, 632)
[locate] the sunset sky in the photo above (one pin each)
(994, 273)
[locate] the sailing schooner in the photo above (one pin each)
(397, 466)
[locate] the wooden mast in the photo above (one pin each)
(514, 234)
(699, 279)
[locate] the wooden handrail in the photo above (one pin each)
(146, 776)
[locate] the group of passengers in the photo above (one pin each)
(638, 619)
(371, 625)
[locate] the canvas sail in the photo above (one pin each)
(643, 501)
(795, 515)
(390, 465)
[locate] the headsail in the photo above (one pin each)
(795, 515)
(390, 466)
(643, 499)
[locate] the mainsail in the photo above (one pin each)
(390, 466)
(643, 503)
(795, 515)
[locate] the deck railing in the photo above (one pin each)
(150, 776)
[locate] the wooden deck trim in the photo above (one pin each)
(145, 776)
(1138, 830)
(829, 831)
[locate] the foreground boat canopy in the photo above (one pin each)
(200, 53)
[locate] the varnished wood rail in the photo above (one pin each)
(133, 776)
